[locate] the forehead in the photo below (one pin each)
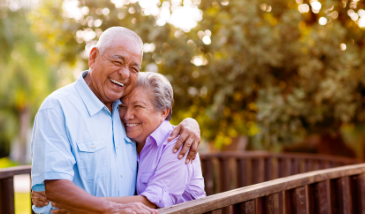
(138, 94)
(125, 48)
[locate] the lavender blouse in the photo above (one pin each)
(162, 177)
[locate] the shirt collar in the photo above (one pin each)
(91, 101)
(162, 132)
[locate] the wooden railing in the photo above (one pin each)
(7, 187)
(221, 171)
(337, 190)
(230, 170)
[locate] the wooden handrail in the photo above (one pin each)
(7, 187)
(229, 170)
(340, 189)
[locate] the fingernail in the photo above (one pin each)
(180, 156)
(175, 150)
(187, 161)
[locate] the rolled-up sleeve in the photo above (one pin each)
(167, 185)
(51, 150)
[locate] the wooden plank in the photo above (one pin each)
(11, 171)
(260, 205)
(272, 204)
(241, 172)
(255, 171)
(300, 200)
(294, 169)
(289, 201)
(268, 168)
(252, 192)
(7, 196)
(248, 207)
(357, 184)
(225, 182)
(319, 200)
(281, 167)
(207, 168)
(345, 195)
(308, 166)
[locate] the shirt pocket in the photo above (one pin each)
(92, 159)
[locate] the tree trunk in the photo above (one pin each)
(24, 126)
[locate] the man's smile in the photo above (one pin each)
(116, 82)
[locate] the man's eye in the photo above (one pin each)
(117, 63)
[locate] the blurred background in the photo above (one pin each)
(276, 75)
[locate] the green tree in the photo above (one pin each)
(277, 70)
(25, 79)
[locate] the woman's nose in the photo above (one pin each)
(128, 115)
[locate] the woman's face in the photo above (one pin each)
(139, 116)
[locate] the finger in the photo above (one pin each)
(174, 134)
(59, 211)
(55, 205)
(185, 149)
(192, 152)
(180, 141)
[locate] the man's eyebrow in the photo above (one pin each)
(118, 56)
(123, 59)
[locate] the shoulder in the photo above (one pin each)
(56, 98)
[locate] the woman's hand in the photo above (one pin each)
(189, 132)
(39, 199)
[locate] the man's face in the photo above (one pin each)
(114, 73)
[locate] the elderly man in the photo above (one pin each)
(79, 147)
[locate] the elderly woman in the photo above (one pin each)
(162, 180)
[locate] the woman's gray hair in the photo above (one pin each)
(110, 35)
(160, 89)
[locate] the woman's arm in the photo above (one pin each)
(129, 199)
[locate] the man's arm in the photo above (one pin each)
(129, 199)
(189, 132)
(75, 200)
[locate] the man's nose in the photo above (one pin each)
(124, 73)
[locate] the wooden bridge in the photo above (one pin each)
(329, 189)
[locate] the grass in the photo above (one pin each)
(22, 203)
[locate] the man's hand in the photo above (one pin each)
(133, 208)
(189, 132)
(39, 199)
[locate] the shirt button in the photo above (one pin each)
(92, 146)
(165, 189)
(121, 175)
(117, 147)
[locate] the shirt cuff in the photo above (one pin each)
(50, 176)
(158, 196)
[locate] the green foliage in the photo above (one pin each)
(26, 78)
(270, 72)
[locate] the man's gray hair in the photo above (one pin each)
(110, 35)
(160, 90)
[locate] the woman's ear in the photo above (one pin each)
(165, 113)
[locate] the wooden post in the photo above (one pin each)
(207, 167)
(7, 196)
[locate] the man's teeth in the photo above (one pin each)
(132, 124)
(116, 82)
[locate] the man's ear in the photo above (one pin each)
(94, 53)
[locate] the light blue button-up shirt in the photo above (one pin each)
(76, 137)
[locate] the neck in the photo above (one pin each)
(93, 89)
(140, 146)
